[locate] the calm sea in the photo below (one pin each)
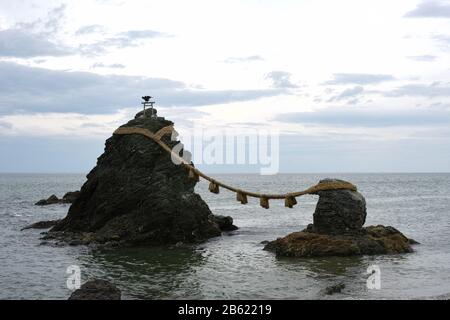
(234, 266)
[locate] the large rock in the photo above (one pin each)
(339, 211)
(96, 290)
(137, 195)
(337, 230)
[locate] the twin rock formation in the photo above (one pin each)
(137, 195)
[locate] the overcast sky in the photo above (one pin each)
(352, 86)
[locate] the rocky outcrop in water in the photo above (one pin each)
(96, 290)
(42, 224)
(338, 230)
(69, 197)
(137, 195)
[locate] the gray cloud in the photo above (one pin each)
(21, 44)
(430, 9)
(243, 59)
(355, 117)
(423, 58)
(5, 125)
(28, 89)
(113, 66)
(49, 25)
(358, 78)
(435, 89)
(350, 93)
(35, 38)
(131, 38)
(281, 79)
(93, 28)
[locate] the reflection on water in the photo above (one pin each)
(147, 273)
(235, 266)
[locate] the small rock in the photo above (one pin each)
(225, 223)
(96, 290)
(41, 225)
(337, 288)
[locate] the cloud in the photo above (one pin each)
(93, 28)
(347, 94)
(30, 89)
(356, 117)
(102, 65)
(435, 89)
(281, 79)
(243, 59)
(5, 125)
(21, 44)
(358, 78)
(423, 58)
(49, 26)
(35, 38)
(430, 9)
(131, 38)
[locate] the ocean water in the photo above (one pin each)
(235, 266)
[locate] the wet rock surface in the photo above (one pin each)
(137, 195)
(96, 290)
(338, 231)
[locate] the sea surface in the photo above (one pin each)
(235, 266)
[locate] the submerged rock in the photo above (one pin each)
(137, 195)
(96, 290)
(337, 288)
(337, 231)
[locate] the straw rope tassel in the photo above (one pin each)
(213, 187)
(242, 197)
(264, 202)
(193, 175)
(290, 201)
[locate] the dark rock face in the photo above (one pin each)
(70, 197)
(137, 195)
(339, 211)
(96, 290)
(338, 231)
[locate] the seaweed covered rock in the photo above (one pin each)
(137, 195)
(338, 230)
(369, 241)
